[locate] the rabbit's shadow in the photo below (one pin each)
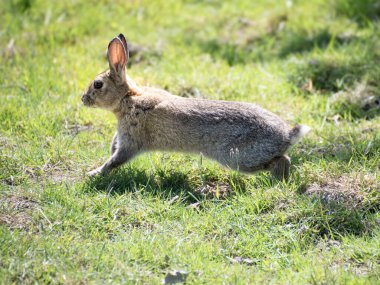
(165, 184)
(131, 180)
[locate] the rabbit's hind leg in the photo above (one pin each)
(280, 167)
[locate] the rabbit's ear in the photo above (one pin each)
(124, 41)
(117, 57)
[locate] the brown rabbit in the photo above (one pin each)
(241, 136)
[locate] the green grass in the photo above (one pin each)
(315, 62)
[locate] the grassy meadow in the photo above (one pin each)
(171, 217)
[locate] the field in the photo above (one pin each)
(171, 217)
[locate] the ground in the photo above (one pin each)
(168, 217)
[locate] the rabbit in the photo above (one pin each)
(241, 136)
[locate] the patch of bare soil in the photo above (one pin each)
(354, 191)
(244, 31)
(55, 172)
(365, 98)
(139, 53)
(6, 142)
(218, 190)
(16, 211)
(190, 92)
(58, 176)
(74, 128)
(359, 269)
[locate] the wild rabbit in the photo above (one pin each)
(241, 136)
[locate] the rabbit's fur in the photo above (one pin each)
(241, 136)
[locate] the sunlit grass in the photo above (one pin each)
(312, 62)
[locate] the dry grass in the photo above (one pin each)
(18, 213)
(363, 100)
(354, 190)
(211, 190)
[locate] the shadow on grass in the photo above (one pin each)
(316, 216)
(363, 12)
(292, 42)
(269, 46)
(131, 180)
(231, 53)
(166, 184)
(139, 54)
(328, 219)
(328, 75)
(327, 72)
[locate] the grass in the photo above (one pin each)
(168, 216)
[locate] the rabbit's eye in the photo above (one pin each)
(98, 84)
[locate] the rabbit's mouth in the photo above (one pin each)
(87, 101)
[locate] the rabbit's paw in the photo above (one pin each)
(95, 172)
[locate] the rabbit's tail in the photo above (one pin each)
(297, 133)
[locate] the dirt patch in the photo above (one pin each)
(74, 129)
(354, 191)
(244, 31)
(16, 211)
(56, 172)
(218, 190)
(190, 92)
(363, 100)
(58, 176)
(359, 269)
(6, 142)
(19, 202)
(139, 54)
(241, 260)
(20, 221)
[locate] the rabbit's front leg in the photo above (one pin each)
(120, 156)
(114, 144)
